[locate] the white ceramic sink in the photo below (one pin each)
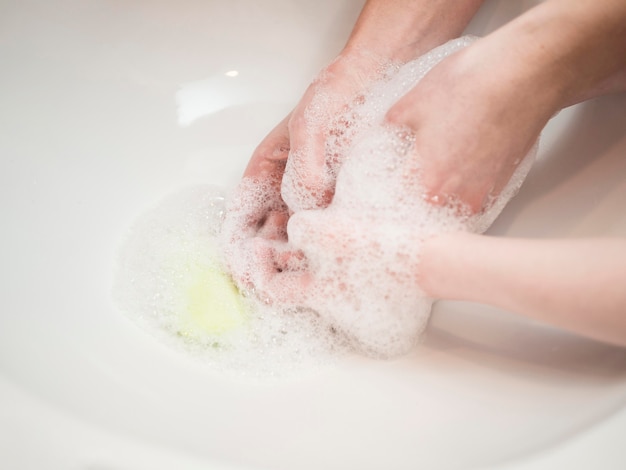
(106, 107)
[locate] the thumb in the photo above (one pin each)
(268, 159)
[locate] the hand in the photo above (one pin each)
(254, 227)
(356, 263)
(256, 216)
(360, 277)
(479, 112)
(386, 32)
(319, 119)
(472, 127)
(255, 223)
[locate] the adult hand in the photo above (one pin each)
(387, 31)
(359, 275)
(319, 123)
(299, 140)
(472, 127)
(477, 113)
(294, 154)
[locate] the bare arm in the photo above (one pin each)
(406, 29)
(577, 284)
(555, 54)
(579, 46)
(386, 32)
(477, 113)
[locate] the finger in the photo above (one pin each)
(274, 226)
(271, 154)
(258, 194)
(272, 274)
(252, 262)
(249, 208)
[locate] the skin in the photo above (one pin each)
(387, 32)
(576, 284)
(494, 101)
(473, 117)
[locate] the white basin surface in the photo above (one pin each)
(106, 107)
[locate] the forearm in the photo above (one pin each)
(579, 285)
(404, 29)
(572, 50)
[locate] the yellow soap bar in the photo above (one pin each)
(214, 304)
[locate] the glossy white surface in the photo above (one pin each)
(107, 106)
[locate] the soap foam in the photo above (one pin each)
(326, 130)
(173, 247)
(313, 284)
(359, 257)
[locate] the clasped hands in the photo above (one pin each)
(470, 132)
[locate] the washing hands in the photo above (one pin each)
(293, 155)
(287, 171)
(471, 119)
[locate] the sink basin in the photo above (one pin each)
(107, 107)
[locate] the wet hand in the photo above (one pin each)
(473, 123)
(318, 120)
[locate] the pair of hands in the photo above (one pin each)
(470, 127)
(472, 118)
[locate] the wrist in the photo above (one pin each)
(565, 50)
(462, 266)
(400, 30)
(443, 260)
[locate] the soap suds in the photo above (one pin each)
(359, 257)
(167, 253)
(313, 284)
